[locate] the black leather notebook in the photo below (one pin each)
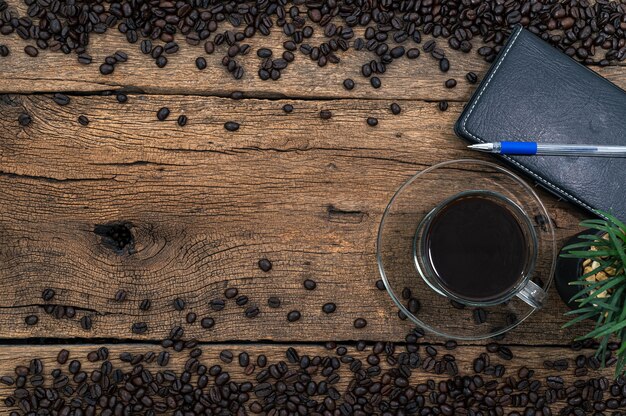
(534, 92)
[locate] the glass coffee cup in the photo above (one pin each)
(442, 265)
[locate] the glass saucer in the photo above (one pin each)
(395, 252)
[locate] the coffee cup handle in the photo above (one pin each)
(532, 294)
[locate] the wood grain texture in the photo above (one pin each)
(405, 79)
(204, 205)
(530, 357)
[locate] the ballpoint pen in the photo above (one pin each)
(532, 148)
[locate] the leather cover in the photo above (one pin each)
(534, 92)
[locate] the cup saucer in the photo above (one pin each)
(395, 253)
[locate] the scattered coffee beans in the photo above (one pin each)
(163, 113)
(231, 126)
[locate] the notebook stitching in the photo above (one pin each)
(550, 184)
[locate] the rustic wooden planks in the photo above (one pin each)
(206, 204)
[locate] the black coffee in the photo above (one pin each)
(477, 248)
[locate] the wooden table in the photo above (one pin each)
(204, 205)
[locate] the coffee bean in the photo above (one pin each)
(24, 119)
(4, 51)
(48, 294)
(182, 120)
(443, 105)
(372, 122)
(139, 328)
(264, 53)
(471, 77)
(31, 320)
(217, 304)
(163, 113)
(309, 284)
(63, 356)
(106, 69)
(375, 81)
(326, 115)
(505, 353)
(252, 312)
(191, 318)
(348, 84)
(451, 83)
(395, 109)
(360, 323)
(121, 98)
(293, 316)
(287, 108)
(444, 65)
(86, 323)
(61, 99)
(145, 304)
(380, 285)
(31, 51)
(273, 302)
(265, 265)
(207, 322)
(413, 53)
(226, 356)
(241, 300)
(120, 295)
(83, 120)
(230, 293)
(200, 63)
(161, 61)
(209, 47)
(231, 126)
(329, 307)
(413, 305)
(480, 315)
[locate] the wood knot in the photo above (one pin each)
(117, 236)
(345, 216)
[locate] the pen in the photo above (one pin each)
(532, 148)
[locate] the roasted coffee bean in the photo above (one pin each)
(372, 122)
(395, 109)
(451, 83)
(179, 304)
(479, 314)
(329, 307)
(471, 77)
(139, 328)
(61, 99)
(182, 120)
(326, 115)
(231, 126)
(217, 304)
(360, 323)
(200, 63)
(145, 304)
(230, 293)
(25, 120)
(309, 284)
(273, 302)
(265, 265)
(293, 316)
(375, 81)
(380, 285)
(443, 105)
(191, 317)
(264, 53)
(226, 356)
(121, 98)
(241, 300)
(444, 65)
(287, 108)
(86, 323)
(48, 294)
(83, 120)
(207, 322)
(31, 51)
(348, 84)
(252, 312)
(106, 69)
(163, 113)
(413, 53)
(4, 51)
(31, 320)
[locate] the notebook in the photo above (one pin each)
(534, 92)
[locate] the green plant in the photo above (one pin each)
(603, 301)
